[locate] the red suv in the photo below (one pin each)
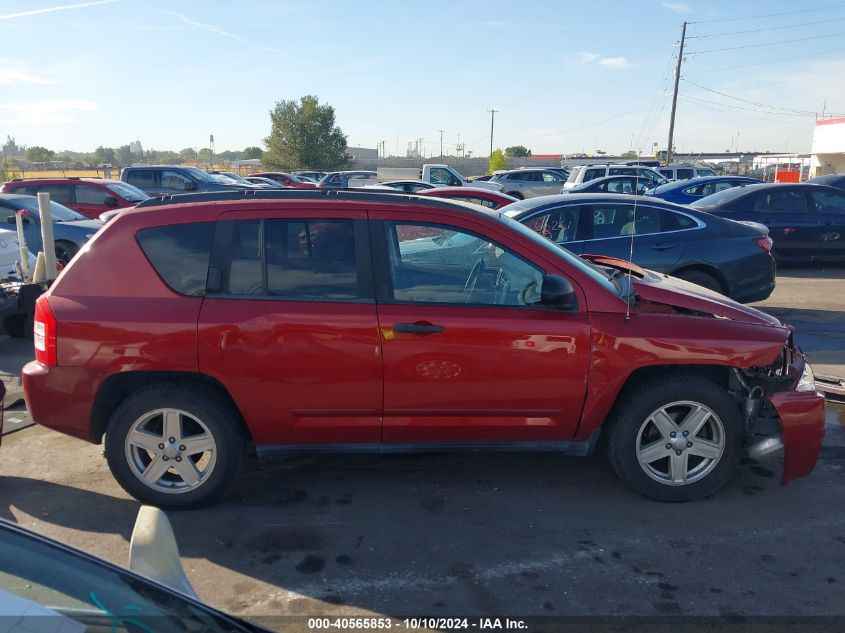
(88, 196)
(285, 179)
(323, 320)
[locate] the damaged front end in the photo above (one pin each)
(783, 411)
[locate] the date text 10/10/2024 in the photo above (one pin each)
(364, 623)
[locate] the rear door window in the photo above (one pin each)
(557, 225)
(58, 193)
(179, 253)
(592, 174)
(782, 201)
(685, 174)
(86, 194)
(828, 201)
(143, 178)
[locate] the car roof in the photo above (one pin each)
(465, 190)
(529, 205)
(705, 179)
(63, 180)
(734, 192)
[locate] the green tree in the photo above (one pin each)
(629, 154)
(189, 154)
(105, 155)
(125, 156)
(36, 154)
(304, 135)
(252, 152)
(517, 151)
(497, 161)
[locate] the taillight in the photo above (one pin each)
(44, 333)
(764, 242)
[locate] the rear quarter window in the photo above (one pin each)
(180, 253)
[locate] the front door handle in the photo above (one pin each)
(662, 247)
(420, 327)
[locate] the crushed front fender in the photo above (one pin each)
(801, 416)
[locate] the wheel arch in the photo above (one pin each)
(117, 387)
(708, 269)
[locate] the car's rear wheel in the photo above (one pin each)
(676, 438)
(516, 194)
(701, 278)
(174, 446)
(65, 251)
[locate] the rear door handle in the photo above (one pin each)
(662, 247)
(421, 327)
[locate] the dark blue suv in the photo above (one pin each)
(157, 180)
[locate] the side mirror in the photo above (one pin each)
(191, 186)
(558, 293)
(153, 552)
(110, 201)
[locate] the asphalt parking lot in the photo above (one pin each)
(518, 535)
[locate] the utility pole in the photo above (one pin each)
(441, 142)
(675, 94)
(492, 116)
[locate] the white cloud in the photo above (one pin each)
(46, 112)
(64, 7)
(18, 75)
(616, 63)
(677, 7)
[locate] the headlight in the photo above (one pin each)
(808, 381)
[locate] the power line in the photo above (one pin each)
(770, 15)
(694, 101)
(756, 103)
(769, 61)
(734, 48)
(771, 28)
(736, 107)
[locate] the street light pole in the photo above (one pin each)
(441, 142)
(492, 116)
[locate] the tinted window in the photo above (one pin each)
(303, 259)
(127, 192)
(457, 267)
(143, 179)
(685, 174)
(828, 201)
(482, 201)
(672, 221)
(592, 174)
(58, 193)
(550, 176)
(622, 171)
(174, 180)
(781, 201)
(90, 195)
(667, 173)
(558, 225)
(60, 213)
(179, 253)
(440, 176)
(617, 220)
(706, 172)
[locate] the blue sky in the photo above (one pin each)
(565, 76)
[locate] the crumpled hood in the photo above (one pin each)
(660, 288)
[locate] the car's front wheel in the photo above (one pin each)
(676, 438)
(174, 446)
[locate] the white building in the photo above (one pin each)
(829, 147)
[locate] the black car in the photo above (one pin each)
(613, 184)
(831, 180)
(729, 257)
(806, 221)
(340, 179)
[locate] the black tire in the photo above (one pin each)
(639, 402)
(516, 194)
(18, 326)
(65, 251)
(701, 278)
(200, 403)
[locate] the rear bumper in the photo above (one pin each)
(801, 416)
(59, 398)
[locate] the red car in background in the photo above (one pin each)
(484, 197)
(306, 321)
(286, 179)
(88, 196)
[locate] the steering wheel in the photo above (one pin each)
(472, 279)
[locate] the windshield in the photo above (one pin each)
(199, 174)
(720, 197)
(596, 273)
(60, 213)
(127, 191)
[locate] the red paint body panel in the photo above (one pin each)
(499, 199)
(802, 423)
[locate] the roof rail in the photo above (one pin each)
(351, 193)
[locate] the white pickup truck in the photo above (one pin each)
(436, 174)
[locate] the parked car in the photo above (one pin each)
(484, 178)
(313, 175)
(831, 180)
(312, 320)
(158, 180)
(723, 256)
(484, 197)
(71, 230)
(586, 173)
(88, 196)
(240, 179)
(340, 179)
(806, 221)
(49, 586)
(285, 179)
(688, 191)
(528, 183)
(10, 255)
(261, 180)
(633, 185)
(685, 172)
(407, 186)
